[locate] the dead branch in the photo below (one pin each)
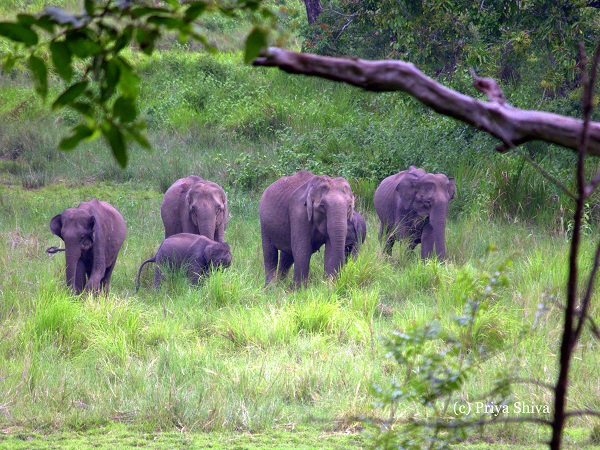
(512, 126)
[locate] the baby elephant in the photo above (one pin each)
(197, 254)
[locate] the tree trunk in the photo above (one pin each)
(313, 10)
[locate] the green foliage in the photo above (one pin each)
(506, 40)
(88, 52)
(434, 363)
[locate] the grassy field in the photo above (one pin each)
(231, 355)
(230, 363)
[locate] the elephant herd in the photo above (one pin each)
(298, 215)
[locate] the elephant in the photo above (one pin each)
(356, 235)
(197, 206)
(197, 254)
(93, 234)
(300, 213)
(413, 205)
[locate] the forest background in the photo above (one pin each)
(231, 356)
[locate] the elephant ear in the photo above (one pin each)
(56, 225)
(451, 187)
(407, 189)
(308, 198)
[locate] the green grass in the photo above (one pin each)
(231, 363)
(230, 355)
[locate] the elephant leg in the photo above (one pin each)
(285, 262)
(387, 235)
(427, 241)
(105, 283)
(301, 268)
(270, 254)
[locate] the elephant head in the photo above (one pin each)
(329, 206)
(218, 254)
(77, 228)
(207, 208)
(431, 193)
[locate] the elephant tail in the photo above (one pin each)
(137, 283)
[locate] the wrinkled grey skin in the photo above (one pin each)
(413, 205)
(93, 234)
(197, 206)
(198, 254)
(356, 235)
(300, 213)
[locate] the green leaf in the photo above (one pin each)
(80, 132)
(37, 66)
(128, 82)
(18, 33)
(146, 39)
(115, 139)
(173, 3)
(9, 62)
(83, 108)
(61, 57)
(123, 40)
(195, 10)
(82, 46)
(169, 23)
(140, 138)
(26, 19)
(125, 109)
(74, 91)
(90, 7)
(112, 73)
(255, 42)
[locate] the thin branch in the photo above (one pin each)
(477, 423)
(546, 174)
(568, 337)
(585, 303)
(585, 412)
(513, 126)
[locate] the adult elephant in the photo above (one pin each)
(300, 213)
(413, 205)
(93, 234)
(197, 206)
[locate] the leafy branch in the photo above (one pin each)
(87, 53)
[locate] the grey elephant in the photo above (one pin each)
(300, 213)
(197, 254)
(197, 206)
(356, 235)
(413, 205)
(93, 234)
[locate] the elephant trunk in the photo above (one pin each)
(337, 229)
(72, 255)
(437, 221)
(206, 227)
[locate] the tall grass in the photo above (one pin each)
(232, 354)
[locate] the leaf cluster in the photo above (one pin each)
(434, 363)
(500, 39)
(87, 52)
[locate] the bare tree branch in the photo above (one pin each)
(512, 126)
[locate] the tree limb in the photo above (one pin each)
(512, 126)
